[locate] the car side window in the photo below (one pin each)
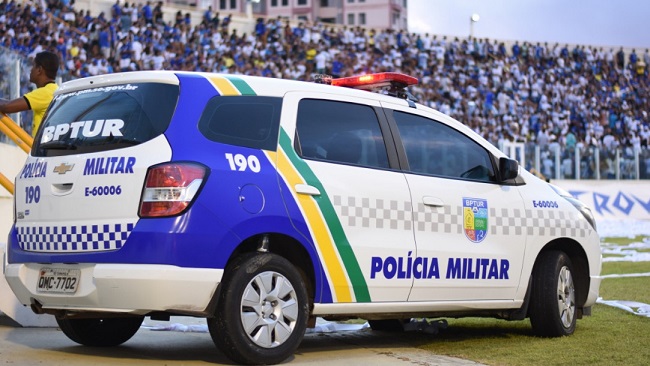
(436, 149)
(250, 121)
(340, 132)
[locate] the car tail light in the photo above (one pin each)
(170, 188)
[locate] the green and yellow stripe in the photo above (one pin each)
(229, 85)
(342, 267)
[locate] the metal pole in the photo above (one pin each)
(249, 9)
(522, 153)
(577, 163)
(9, 186)
(7, 131)
(597, 162)
(636, 164)
(618, 164)
(15, 92)
(537, 159)
(557, 162)
(22, 134)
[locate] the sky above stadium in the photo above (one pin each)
(591, 22)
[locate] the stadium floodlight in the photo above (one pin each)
(473, 19)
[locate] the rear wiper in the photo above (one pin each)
(58, 145)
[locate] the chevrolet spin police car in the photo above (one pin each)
(261, 204)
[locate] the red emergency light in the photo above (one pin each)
(373, 81)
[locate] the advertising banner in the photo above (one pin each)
(610, 199)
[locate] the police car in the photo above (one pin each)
(261, 204)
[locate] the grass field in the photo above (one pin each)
(609, 337)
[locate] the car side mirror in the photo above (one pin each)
(508, 169)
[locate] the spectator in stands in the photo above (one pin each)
(116, 10)
(260, 29)
(104, 40)
(44, 69)
(620, 58)
(225, 22)
(126, 19)
(147, 13)
(179, 18)
(207, 15)
(158, 13)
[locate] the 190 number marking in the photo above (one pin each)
(241, 163)
(103, 191)
(32, 194)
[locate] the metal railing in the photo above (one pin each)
(22, 139)
(582, 162)
(14, 82)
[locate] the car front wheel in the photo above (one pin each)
(553, 306)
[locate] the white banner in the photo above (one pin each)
(609, 199)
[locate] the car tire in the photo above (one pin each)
(388, 325)
(100, 332)
(262, 310)
(553, 307)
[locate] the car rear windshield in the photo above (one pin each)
(105, 118)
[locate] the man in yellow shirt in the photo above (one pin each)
(43, 73)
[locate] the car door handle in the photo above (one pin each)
(62, 189)
(307, 189)
(432, 201)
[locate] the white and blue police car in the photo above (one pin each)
(261, 204)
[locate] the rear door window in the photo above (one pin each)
(249, 121)
(106, 118)
(341, 132)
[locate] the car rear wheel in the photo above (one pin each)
(553, 306)
(100, 332)
(262, 310)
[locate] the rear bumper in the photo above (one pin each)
(125, 288)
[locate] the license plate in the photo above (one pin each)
(58, 280)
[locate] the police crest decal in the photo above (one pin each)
(475, 218)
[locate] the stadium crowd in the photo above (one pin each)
(547, 94)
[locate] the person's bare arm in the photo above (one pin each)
(13, 106)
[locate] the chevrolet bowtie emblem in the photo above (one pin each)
(63, 168)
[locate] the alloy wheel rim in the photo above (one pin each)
(566, 297)
(269, 309)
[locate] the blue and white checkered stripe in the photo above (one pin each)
(74, 238)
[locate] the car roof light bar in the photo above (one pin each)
(393, 80)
